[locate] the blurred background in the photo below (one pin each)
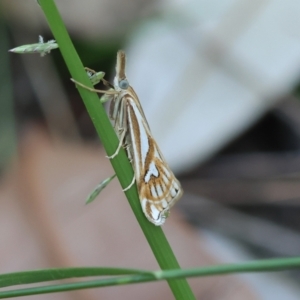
(219, 84)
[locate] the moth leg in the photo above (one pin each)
(130, 185)
(119, 146)
(105, 98)
(90, 70)
(127, 149)
(107, 83)
(110, 92)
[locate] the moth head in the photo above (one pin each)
(121, 82)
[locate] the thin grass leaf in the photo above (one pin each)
(92, 196)
(35, 276)
(131, 276)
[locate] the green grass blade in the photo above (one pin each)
(154, 235)
(131, 276)
(35, 276)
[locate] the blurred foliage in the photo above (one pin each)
(7, 118)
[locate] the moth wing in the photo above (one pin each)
(159, 191)
(158, 188)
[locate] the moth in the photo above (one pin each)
(158, 188)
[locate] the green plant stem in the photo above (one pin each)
(154, 235)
